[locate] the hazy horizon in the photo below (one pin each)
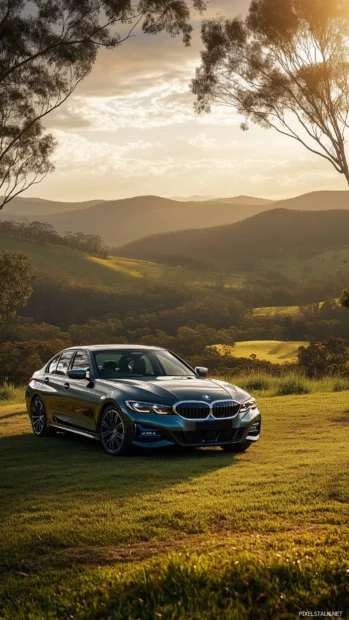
(179, 198)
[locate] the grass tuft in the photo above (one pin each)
(293, 384)
(340, 385)
(10, 393)
(256, 382)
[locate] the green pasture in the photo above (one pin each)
(275, 351)
(175, 534)
(273, 311)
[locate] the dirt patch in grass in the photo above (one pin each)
(94, 555)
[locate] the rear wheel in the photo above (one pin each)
(236, 447)
(39, 419)
(113, 433)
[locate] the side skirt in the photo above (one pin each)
(77, 431)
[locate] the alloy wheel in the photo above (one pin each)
(38, 416)
(112, 431)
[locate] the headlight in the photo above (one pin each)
(141, 407)
(249, 404)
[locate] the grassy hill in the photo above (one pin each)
(120, 273)
(275, 351)
(277, 234)
(201, 534)
(117, 273)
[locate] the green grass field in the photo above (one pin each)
(275, 351)
(178, 535)
(114, 272)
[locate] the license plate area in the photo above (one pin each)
(215, 425)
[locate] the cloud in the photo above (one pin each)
(202, 141)
(77, 154)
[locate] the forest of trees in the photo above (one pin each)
(45, 234)
(183, 318)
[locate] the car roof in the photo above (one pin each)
(115, 347)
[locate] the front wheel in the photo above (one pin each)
(237, 447)
(39, 419)
(113, 433)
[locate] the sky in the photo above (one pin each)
(131, 129)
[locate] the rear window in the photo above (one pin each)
(64, 362)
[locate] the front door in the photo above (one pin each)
(83, 401)
(57, 381)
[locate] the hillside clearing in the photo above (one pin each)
(275, 351)
(272, 311)
(197, 534)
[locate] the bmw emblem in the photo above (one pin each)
(206, 397)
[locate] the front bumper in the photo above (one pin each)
(154, 430)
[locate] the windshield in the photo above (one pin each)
(125, 364)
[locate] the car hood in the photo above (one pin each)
(168, 390)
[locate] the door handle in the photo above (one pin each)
(66, 386)
(46, 380)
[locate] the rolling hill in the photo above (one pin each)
(30, 207)
(121, 221)
(273, 234)
(115, 273)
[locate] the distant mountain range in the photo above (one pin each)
(122, 221)
(236, 200)
(245, 200)
(273, 234)
(38, 206)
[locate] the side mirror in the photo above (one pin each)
(201, 371)
(78, 373)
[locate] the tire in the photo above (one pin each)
(113, 433)
(237, 447)
(38, 419)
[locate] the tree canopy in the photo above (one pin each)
(285, 66)
(15, 277)
(46, 49)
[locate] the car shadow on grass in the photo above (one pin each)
(66, 465)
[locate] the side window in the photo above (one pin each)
(81, 361)
(52, 367)
(63, 363)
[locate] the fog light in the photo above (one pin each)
(255, 428)
(144, 433)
